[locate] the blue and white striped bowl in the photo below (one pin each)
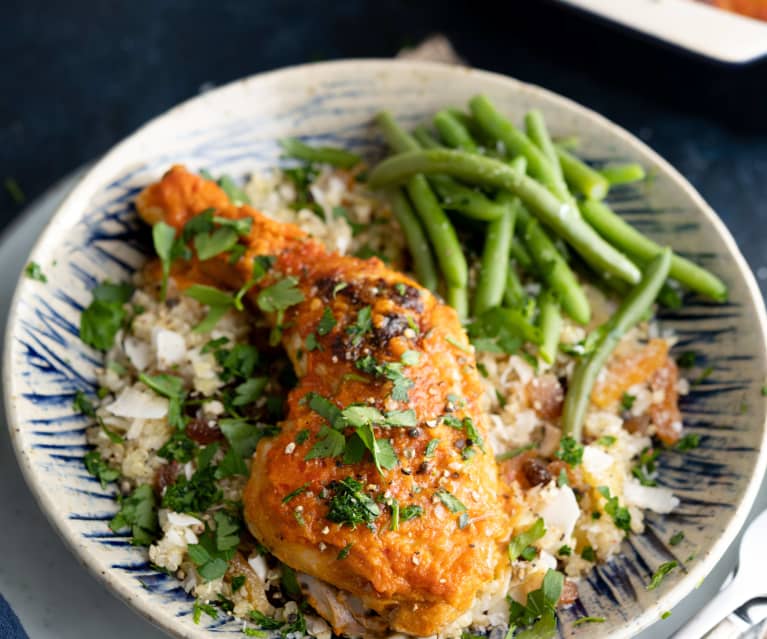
(96, 235)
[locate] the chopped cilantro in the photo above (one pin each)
(606, 441)
(214, 550)
(663, 570)
(350, 505)
(221, 240)
(179, 447)
(172, 387)
(645, 467)
(83, 405)
(570, 451)
(236, 195)
(344, 552)
(562, 479)
(526, 539)
(238, 581)
(281, 295)
(199, 607)
(243, 436)
(450, 501)
(196, 494)
(391, 371)
(676, 538)
(538, 615)
(666, 614)
(627, 401)
(431, 447)
(362, 325)
(98, 467)
(582, 620)
(164, 238)
(502, 330)
(620, 514)
(327, 322)
(331, 443)
(261, 265)
(139, 513)
(34, 272)
(302, 436)
(565, 551)
(514, 452)
(105, 315)
(407, 513)
(295, 493)
(311, 343)
(688, 442)
(249, 391)
(687, 359)
(588, 554)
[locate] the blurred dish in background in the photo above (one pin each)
(700, 26)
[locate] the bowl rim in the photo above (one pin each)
(93, 178)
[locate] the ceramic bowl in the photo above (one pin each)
(234, 130)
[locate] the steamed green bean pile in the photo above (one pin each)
(477, 190)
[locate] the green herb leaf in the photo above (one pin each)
(295, 493)
(168, 386)
(407, 513)
(327, 322)
(99, 468)
(381, 449)
(249, 391)
(688, 442)
(280, 295)
(676, 538)
(362, 325)
(179, 448)
(344, 553)
(163, 238)
(331, 443)
(627, 401)
(208, 245)
(243, 436)
(606, 441)
(526, 539)
(138, 512)
(620, 514)
(663, 570)
(450, 501)
(431, 447)
(351, 506)
(570, 451)
(582, 620)
(100, 322)
(33, 271)
(209, 295)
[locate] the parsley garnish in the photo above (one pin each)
(139, 513)
(688, 442)
(215, 549)
(606, 440)
(196, 494)
(570, 451)
(627, 401)
(171, 387)
(344, 552)
(431, 447)
(295, 493)
(450, 501)
(281, 295)
(164, 238)
(83, 405)
(208, 245)
(539, 613)
(687, 359)
(331, 443)
(588, 554)
(676, 538)
(406, 513)
(199, 607)
(563, 479)
(661, 573)
(362, 325)
(105, 315)
(249, 391)
(391, 371)
(620, 514)
(522, 544)
(238, 581)
(565, 551)
(34, 272)
(501, 330)
(179, 447)
(97, 467)
(645, 467)
(582, 620)
(327, 322)
(350, 505)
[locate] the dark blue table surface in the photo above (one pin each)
(77, 76)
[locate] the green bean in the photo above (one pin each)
(629, 313)
(554, 269)
(625, 237)
(396, 137)
(521, 255)
(440, 231)
(458, 298)
(424, 137)
(466, 200)
(623, 173)
(550, 322)
(453, 133)
(495, 257)
(561, 217)
(518, 143)
(586, 180)
(418, 245)
(444, 240)
(539, 134)
(568, 142)
(322, 155)
(513, 295)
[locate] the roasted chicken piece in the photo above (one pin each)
(418, 537)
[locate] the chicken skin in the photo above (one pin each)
(396, 501)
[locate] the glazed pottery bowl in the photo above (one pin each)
(96, 235)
